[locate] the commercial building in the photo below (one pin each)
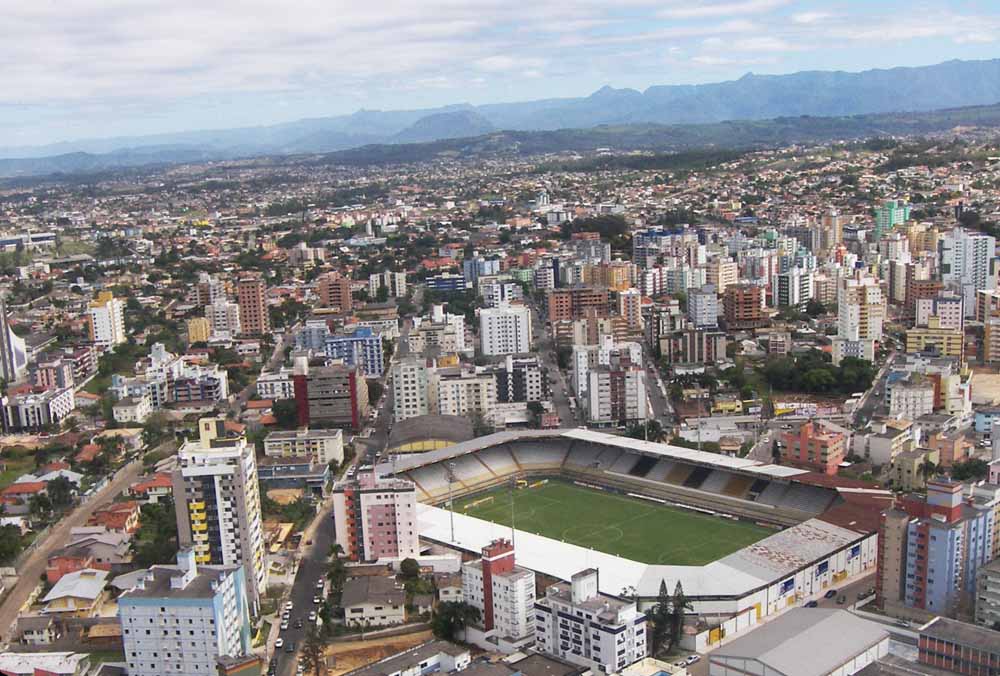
(251, 294)
(179, 620)
(435, 656)
(816, 445)
(958, 648)
(743, 307)
(504, 595)
(333, 395)
(323, 446)
(930, 550)
(505, 330)
(334, 291)
(217, 499)
(804, 642)
(106, 320)
(376, 518)
(574, 622)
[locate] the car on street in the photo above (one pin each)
(290, 648)
(284, 625)
(280, 642)
(841, 600)
(691, 659)
(288, 605)
(812, 604)
(312, 616)
(298, 623)
(830, 594)
(317, 600)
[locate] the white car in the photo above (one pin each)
(284, 625)
(288, 605)
(317, 600)
(691, 659)
(280, 642)
(312, 616)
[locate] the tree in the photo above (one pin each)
(480, 425)
(409, 569)
(40, 506)
(312, 656)
(651, 431)
(156, 540)
(286, 412)
(60, 491)
(679, 605)
(536, 410)
(11, 543)
(970, 469)
(927, 469)
(375, 390)
(814, 308)
(660, 618)
(451, 617)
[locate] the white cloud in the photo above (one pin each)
(707, 10)
(806, 18)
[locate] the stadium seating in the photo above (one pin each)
(715, 482)
(642, 467)
(540, 455)
(660, 470)
(697, 477)
(758, 487)
(607, 458)
(624, 463)
(433, 480)
(773, 494)
(806, 499)
(470, 471)
(583, 454)
(678, 473)
(738, 485)
(498, 459)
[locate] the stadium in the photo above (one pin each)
(744, 538)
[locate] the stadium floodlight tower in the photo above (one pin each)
(450, 469)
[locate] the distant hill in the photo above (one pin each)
(661, 116)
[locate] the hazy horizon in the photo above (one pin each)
(119, 68)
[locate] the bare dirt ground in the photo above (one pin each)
(356, 654)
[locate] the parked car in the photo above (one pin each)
(830, 594)
(841, 600)
(691, 659)
(812, 604)
(280, 642)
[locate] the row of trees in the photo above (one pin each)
(814, 373)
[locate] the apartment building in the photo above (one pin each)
(912, 397)
(251, 295)
(410, 388)
(376, 518)
(860, 312)
(721, 273)
(505, 330)
(743, 307)
(817, 445)
(575, 623)
(504, 594)
(463, 393)
(935, 338)
(224, 319)
(217, 500)
(323, 446)
(393, 282)
(334, 395)
(572, 303)
(334, 291)
(106, 320)
(180, 620)
(703, 307)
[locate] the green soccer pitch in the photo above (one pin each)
(632, 528)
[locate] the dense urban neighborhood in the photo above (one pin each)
(570, 413)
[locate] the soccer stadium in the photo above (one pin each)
(744, 538)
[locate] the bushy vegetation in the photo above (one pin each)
(813, 373)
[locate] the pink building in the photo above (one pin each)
(376, 518)
(815, 446)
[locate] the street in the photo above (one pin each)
(558, 384)
(30, 572)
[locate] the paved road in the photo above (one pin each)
(31, 570)
(560, 389)
(658, 402)
(277, 357)
(875, 396)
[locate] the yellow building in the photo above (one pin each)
(947, 341)
(199, 330)
(77, 594)
(907, 469)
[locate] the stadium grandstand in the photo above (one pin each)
(819, 529)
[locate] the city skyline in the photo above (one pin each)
(111, 69)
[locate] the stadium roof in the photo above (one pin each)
(453, 428)
(804, 642)
(406, 463)
(765, 562)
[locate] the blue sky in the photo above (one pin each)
(86, 68)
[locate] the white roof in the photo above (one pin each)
(765, 562)
(26, 663)
(406, 462)
(81, 584)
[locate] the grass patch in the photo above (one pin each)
(100, 656)
(615, 524)
(15, 464)
(99, 385)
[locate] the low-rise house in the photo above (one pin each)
(37, 630)
(428, 658)
(373, 602)
(48, 664)
(119, 516)
(89, 547)
(77, 594)
(153, 488)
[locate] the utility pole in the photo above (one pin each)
(451, 504)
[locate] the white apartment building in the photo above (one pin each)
(794, 287)
(966, 261)
(217, 498)
(395, 283)
(703, 307)
(574, 622)
(443, 331)
(616, 394)
(497, 293)
(33, 410)
(323, 446)
(179, 620)
(860, 312)
(505, 330)
(912, 398)
(276, 384)
(106, 320)
(457, 392)
(722, 272)
(410, 389)
(587, 357)
(223, 318)
(950, 311)
(504, 594)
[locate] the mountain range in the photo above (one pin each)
(752, 97)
